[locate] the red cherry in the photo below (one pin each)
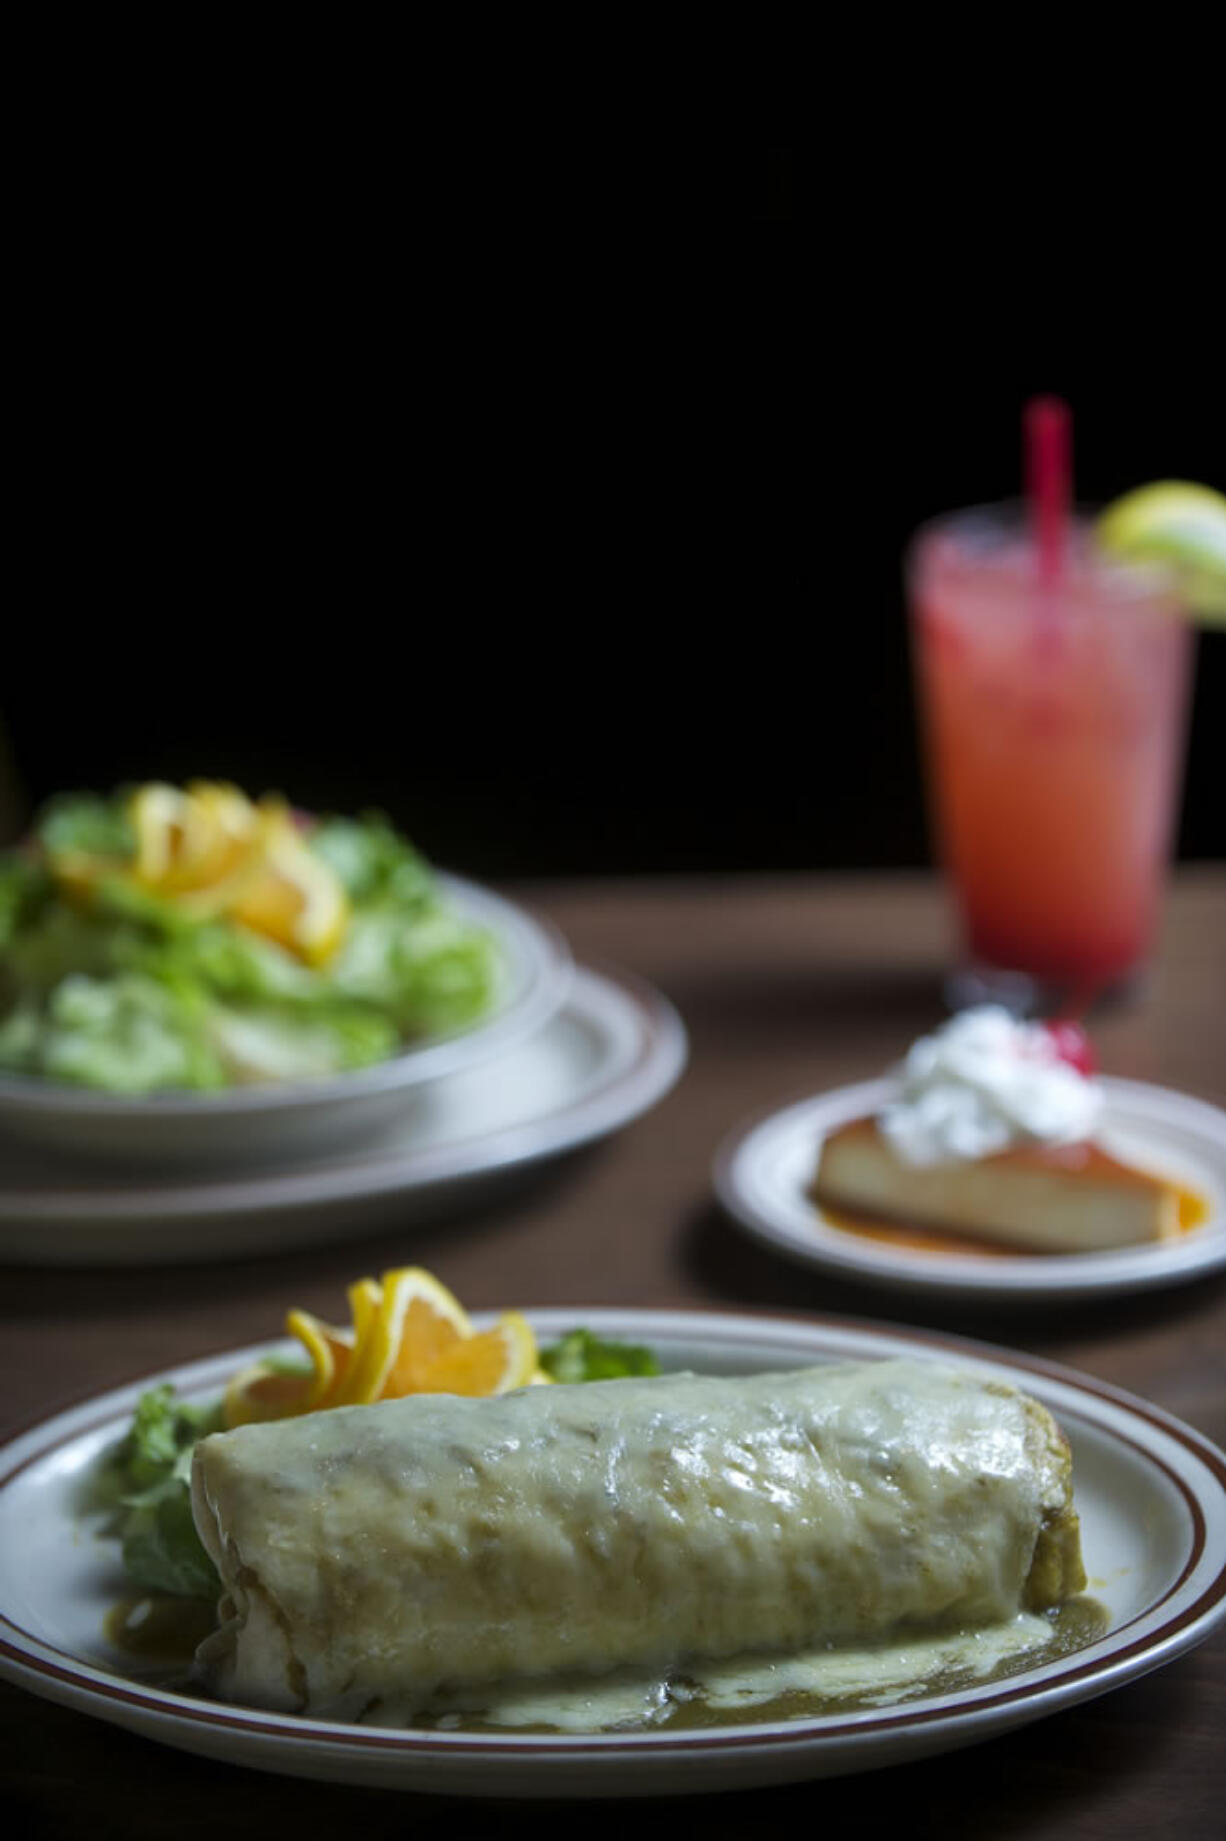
(1072, 1044)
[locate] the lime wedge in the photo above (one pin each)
(1180, 524)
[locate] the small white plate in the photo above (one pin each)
(612, 1051)
(273, 1120)
(764, 1171)
(1151, 1494)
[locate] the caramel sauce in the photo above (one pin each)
(1193, 1212)
(915, 1239)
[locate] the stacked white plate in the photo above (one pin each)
(566, 1055)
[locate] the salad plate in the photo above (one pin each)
(763, 1174)
(610, 1051)
(1150, 1491)
(272, 1120)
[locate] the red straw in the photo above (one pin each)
(1048, 438)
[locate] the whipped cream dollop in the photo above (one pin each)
(983, 1083)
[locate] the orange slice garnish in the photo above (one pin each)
(417, 1320)
(293, 897)
(196, 842)
(209, 851)
(265, 1391)
(409, 1335)
(492, 1362)
(331, 1352)
(261, 1392)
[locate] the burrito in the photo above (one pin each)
(373, 1556)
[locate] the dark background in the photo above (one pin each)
(575, 548)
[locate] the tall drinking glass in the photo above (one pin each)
(1053, 721)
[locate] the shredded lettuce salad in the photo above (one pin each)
(129, 993)
(148, 1481)
(147, 1478)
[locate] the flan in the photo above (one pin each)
(1069, 1198)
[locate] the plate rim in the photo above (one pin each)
(369, 1173)
(1019, 1277)
(1104, 1664)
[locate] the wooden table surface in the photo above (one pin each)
(787, 986)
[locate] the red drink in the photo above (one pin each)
(1053, 721)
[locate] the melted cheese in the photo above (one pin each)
(811, 1680)
(375, 1557)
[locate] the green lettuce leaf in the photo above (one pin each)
(164, 1428)
(271, 1045)
(21, 1037)
(88, 822)
(580, 1356)
(150, 1476)
(373, 861)
(162, 1551)
(430, 971)
(128, 1034)
(24, 890)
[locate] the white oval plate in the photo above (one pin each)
(763, 1172)
(612, 1051)
(1150, 1491)
(277, 1118)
